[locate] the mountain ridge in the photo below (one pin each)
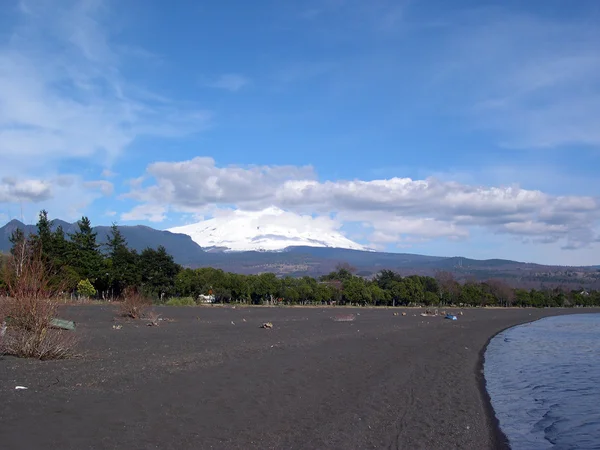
(138, 237)
(316, 261)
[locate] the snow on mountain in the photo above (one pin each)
(271, 229)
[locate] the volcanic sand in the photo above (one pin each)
(211, 378)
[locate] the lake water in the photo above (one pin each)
(544, 382)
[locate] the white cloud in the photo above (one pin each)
(65, 196)
(231, 82)
(15, 191)
(390, 229)
(396, 209)
(63, 95)
(199, 182)
(151, 213)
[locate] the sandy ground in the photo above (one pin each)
(212, 379)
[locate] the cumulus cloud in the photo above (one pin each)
(395, 209)
(66, 196)
(29, 190)
(151, 213)
(198, 183)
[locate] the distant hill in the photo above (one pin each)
(184, 250)
(316, 261)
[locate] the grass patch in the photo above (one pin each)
(181, 301)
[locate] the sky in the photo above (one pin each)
(463, 128)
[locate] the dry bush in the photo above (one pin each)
(47, 344)
(134, 304)
(152, 317)
(29, 309)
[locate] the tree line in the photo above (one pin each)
(79, 265)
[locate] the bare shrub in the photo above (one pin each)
(134, 304)
(152, 317)
(47, 344)
(30, 307)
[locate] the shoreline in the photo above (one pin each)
(498, 437)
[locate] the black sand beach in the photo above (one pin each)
(210, 380)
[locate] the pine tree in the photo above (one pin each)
(158, 271)
(44, 236)
(121, 264)
(85, 256)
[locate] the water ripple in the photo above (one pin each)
(544, 382)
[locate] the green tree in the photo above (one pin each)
(158, 272)
(415, 288)
(85, 252)
(85, 288)
(355, 291)
(386, 279)
(324, 293)
(45, 237)
(378, 296)
(430, 299)
(121, 265)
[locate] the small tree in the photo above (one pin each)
(85, 289)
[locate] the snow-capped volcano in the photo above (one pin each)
(271, 229)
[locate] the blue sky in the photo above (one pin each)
(449, 128)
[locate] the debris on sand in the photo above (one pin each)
(460, 313)
(117, 327)
(153, 318)
(396, 314)
(403, 313)
(344, 318)
(431, 313)
(20, 388)
(267, 325)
